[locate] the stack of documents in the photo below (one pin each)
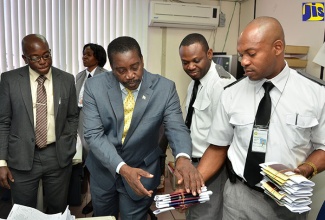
(286, 187)
(172, 201)
(19, 212)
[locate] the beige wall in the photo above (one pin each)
(298, 32)
(163, 45)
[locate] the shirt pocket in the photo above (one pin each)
(299, 128)
(243, 125)
(201, 105)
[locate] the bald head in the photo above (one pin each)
(261, 46)
(266, 29)
(36, 53)
(30, 40)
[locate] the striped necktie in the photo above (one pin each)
(41, 113)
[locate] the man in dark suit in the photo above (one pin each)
(124, 163)
(26, 157)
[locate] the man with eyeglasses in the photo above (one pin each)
(38, 128)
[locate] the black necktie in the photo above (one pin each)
(188, 120)
(89, 75)
(252, 169)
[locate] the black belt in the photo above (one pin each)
(195, 160)
(259, 189)
(39, 148)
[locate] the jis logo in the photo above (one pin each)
(313, 11)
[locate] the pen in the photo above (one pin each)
(176, 204)
(296, 118)
(60, 101)
(158, 211)
(181, 195)
(186, 195)
(181, 200)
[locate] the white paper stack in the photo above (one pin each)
(19, 212)
(172, 201)
(286, 187)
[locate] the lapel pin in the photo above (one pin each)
(143, 97)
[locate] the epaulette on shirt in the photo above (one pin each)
(233, 83)
(312, 78)
(222, 72)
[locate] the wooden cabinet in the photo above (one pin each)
(296, 56)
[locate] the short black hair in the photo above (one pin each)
(121, 45)
(195, 38)
(99, 53)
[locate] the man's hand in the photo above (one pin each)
(5, 174)
(188, 175)
(133, 176)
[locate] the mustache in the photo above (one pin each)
(132, 81)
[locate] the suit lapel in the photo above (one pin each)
(25, 89)
(141, 104)
(99, 70)
(115, 99)
(79, 81)
(56, 77)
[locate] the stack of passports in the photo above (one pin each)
(286, 187)
(172, 201)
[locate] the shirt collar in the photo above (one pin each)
(123, 89)
(34, 75)
(92, 72)
(279, 81)
(204, 81)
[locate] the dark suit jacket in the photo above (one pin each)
(17, 135)
(157, 103)
(80, 78)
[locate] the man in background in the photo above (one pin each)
(38, 128)
(273, 104)
(124, 111)
(208, 81)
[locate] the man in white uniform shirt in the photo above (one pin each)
(296, 126)
(196, 57)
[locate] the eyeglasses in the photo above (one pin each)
(38, 58)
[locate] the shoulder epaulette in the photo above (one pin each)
(233, 83)
(312, 78)
(222, 72)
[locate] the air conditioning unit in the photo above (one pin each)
(181, 15)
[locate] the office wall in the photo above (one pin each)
(298, 32)
(163, 43)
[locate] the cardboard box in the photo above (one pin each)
(291, 49)
(296, 63)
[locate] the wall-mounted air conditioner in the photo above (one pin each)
(181, 15)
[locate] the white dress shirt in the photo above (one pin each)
(209, 91)
(297, 123)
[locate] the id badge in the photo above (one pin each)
(259, 140)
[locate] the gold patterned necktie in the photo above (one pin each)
(41, 113)
(129, 104)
